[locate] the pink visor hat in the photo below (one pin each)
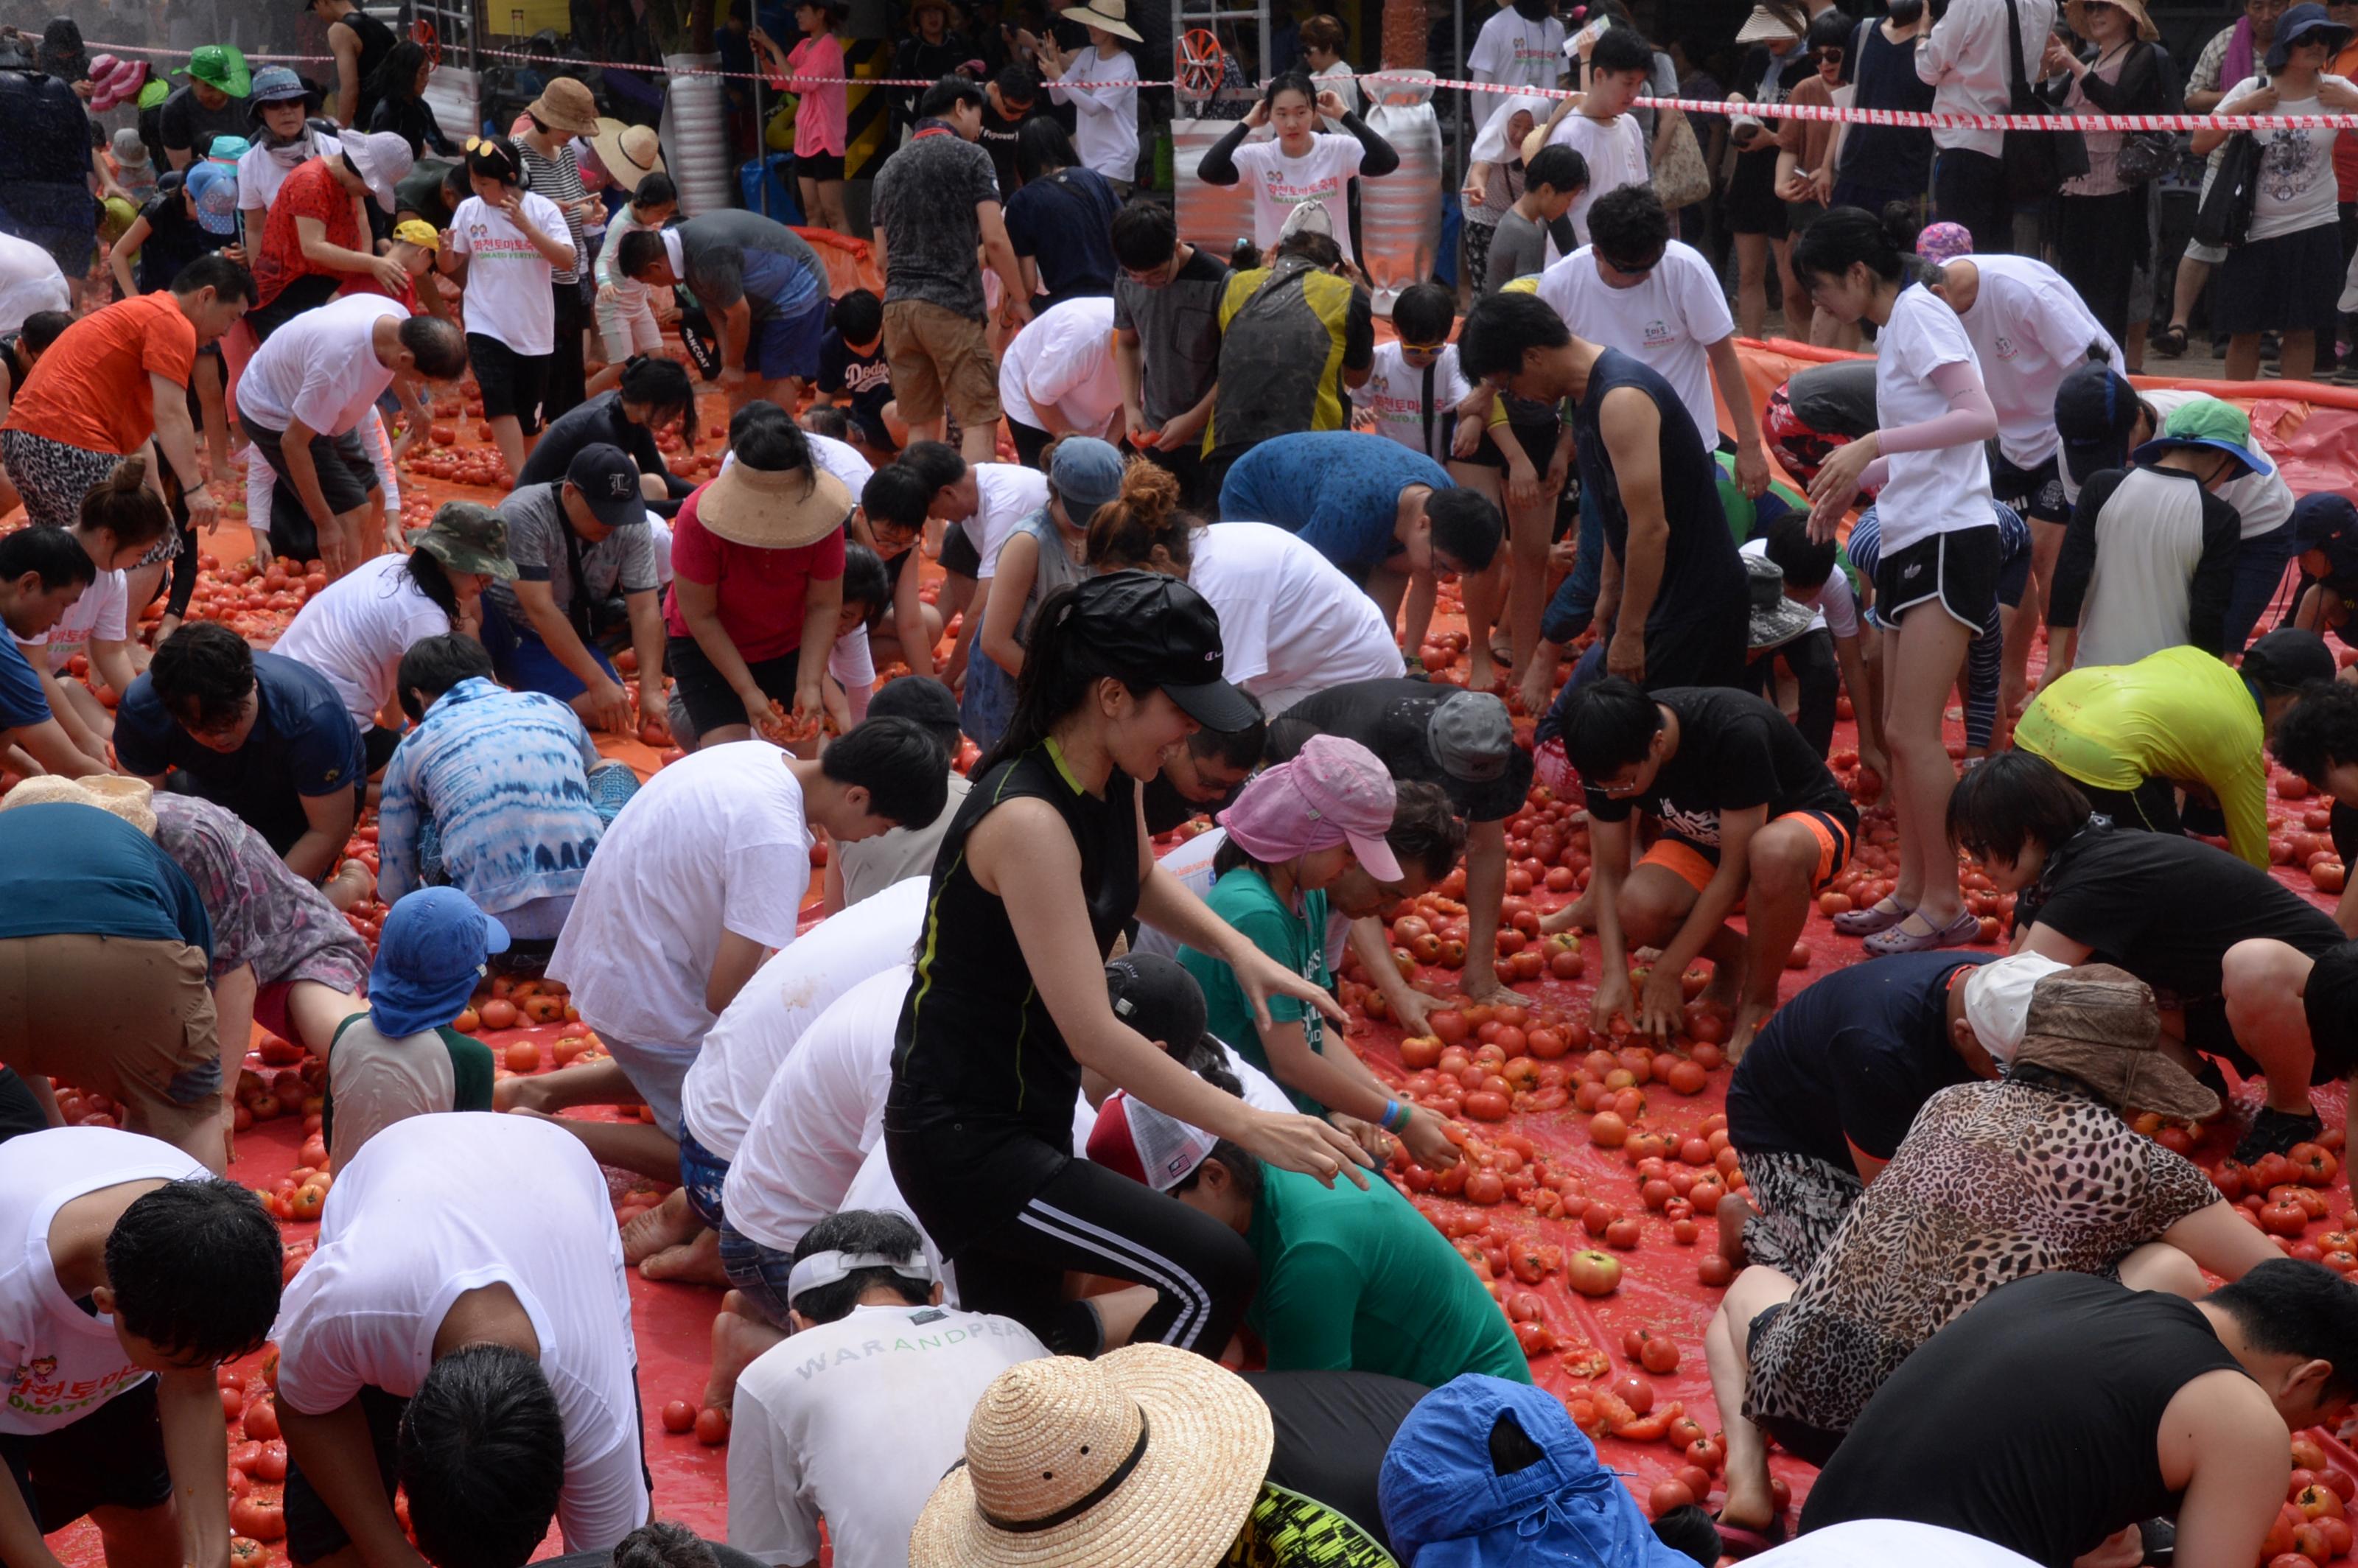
(1333, 791)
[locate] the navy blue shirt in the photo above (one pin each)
(1850, 1060)
(76, 869)
(1064, 222)
(303, 743)
(23, 703)
(864, 380)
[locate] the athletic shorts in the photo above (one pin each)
(345, 474)
(514, 385)
(1958, 570)
(784, 346)
(129, 1018)
(2039, 491)
(113, 1457)
(1695, 863)
(819, 165)
(959, 557)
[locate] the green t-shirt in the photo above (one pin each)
(1298, 941)
(1287, 1529)
(393, 1079)
(1358, 1281)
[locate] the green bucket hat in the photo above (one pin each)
(468, 537)
(2209, 423)
(153, 93)
(221, 66)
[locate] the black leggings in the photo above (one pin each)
(1012, 1252)
(1029, 442)
(1811, 657)
(2151, 808)
(568, 388)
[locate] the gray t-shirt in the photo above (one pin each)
(872, 865)
(924, 202)
(1518, 248)
(732, 255)
(623, 562)
(1178, 328)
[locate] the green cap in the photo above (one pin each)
(221, 66)
(468, 537)
(2209, 423)
(155, 93)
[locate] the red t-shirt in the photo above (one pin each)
(763, 592)
(311, 191)
(365, 283)
(91, 389)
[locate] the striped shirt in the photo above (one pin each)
(559, 180)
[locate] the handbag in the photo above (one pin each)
(2145, 156)
(1681, 179)
(2225, 218)
(2036, 162)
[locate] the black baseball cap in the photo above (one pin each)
(1154, 628)
(2095, 409)
(1154, 995)
(2290, 658)
(609, 481)
(922, 698)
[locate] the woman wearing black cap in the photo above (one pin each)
(1042, 867)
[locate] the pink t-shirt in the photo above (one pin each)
(763, 592)
(819, 121)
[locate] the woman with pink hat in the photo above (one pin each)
(1293, 830)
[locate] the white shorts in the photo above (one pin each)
(628, 331)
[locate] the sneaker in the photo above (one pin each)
(2275, 1131)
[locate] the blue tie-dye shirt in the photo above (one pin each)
(505, 777)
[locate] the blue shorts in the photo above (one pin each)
(783, 343)
(524, 662)
(761, 1272)
(701, 1173)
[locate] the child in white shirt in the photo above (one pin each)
(625, 311)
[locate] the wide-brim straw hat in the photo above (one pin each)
(131, 799)
(1113, 16)
(1766, 24)
(766, 509)
(1146, 1457)
(627, 153)
(566, 105)
(2075, 12)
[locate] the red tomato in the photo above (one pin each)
(1669, 1497)
(270, 1463)
(1634, 1391)
(1659, 1355)
(262, 1423)
(679, 1416)
(257, 1519)
(1593, 1273)
(711, 1427)
(1607, 1131)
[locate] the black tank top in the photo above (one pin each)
(975, 1042)
(376, 42)
(1703, 577)
(1935, 1446)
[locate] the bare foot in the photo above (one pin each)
(1573, 916)
(739, 1336)
(350, 885)
(1734, 1210)
(1724, 991)
(661, 1229)
(695, 1262)
(1749, 1017)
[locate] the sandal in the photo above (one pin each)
(2169, 342)
(1879, 916)
(1740, 1543)
(2276, 1132)
(1965, 928)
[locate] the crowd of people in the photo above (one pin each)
(1154, 535)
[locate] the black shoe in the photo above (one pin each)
(2160, 1537)
(2275, 1131)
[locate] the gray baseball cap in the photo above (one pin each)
(1471, 736)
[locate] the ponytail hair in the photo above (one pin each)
(126, 506)
(1060, 667)
(425, 571)
(1290, 82)
(1124, 533)
(1841, 237)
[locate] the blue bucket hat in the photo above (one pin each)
(1445, 1506)
(2297, 24)
(429, 958)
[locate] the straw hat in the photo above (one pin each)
(129, 798)
(1768, 25)
(566, 105)
(627, 153)
(780, 509)
(2075, 12)
(1147, 1457)
(1113, 16)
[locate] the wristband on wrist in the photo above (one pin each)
(1397, 1116)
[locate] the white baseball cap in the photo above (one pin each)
(1997, 1000)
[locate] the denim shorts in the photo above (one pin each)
(701, 1173)
(759, 1272)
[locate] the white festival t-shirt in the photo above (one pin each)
(103, 614)
(1064, 361)
(1008, 493)
(355, 630)
(1279, 184)
(1290, 623)
(321, 367)
(1394, 393)
(508, 281)
(1667, 320)
(2029, 329)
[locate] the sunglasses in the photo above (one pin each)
(1829, 55)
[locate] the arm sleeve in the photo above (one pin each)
(470, 1071)
(1267, 929)
(1359, 332)
(766, 882)
(1219, 162)
(2076, 563)
(2138, 91)
(1378, 157)
(138, 745)
(1873, 1111)
(1308, 1309)
(1840, 605)
(2214, 576)
(2243, 790)
(22, 701)
(1970, 417)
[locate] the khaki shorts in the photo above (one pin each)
(936, 355)
(129, 1019)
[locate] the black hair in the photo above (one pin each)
(881, 1231)
(1466, 524)
(1060, 667)
(656, 188)
(1832, 30)
(661, 383)
(2288, 1308)
(2318, 732)
(1560, 169)
(455, 186)
(1843, 237)
(1426, 831)
(425, 569)
(1609, 725)
(951, 92)
(1620, 49)
(903, 692)
(437, 346)
(1501, 327)
(897, 497)
(1243, 1166)
(215, 271)
(1627, 224)
(898, 761)
(482, 1457)
(639, 250)
(195, 1268)
(938, 463)
(1322, 32)
(1320, 250)
(1239, 748)
(1424, 312)
(1690, 1532)
(1290, 82)
(2013, 799)
(826, 419)
(1016, 84)
(53, 555)
(1512, 1449)
(1232, 855)
(126, 505)
(766, 439)
(435, 665)
(1042, 147)
(495, 157)
(396, 75)
(43, 328)
(663, 1544)
(1144, 234)
(1807, 563)
(865, 581)
(860, 314)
